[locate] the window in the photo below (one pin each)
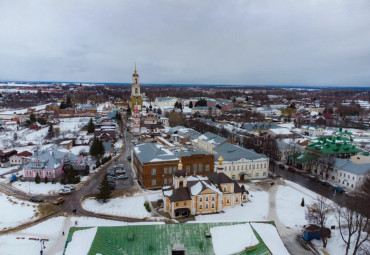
(249, 175)
(154, 171)
(213, 206)
(165, 170)
(238, 168)
(207, 167)
(352, 185)
(264, 173)
(200, 207)
(353, 178)
(181, 184)
(200, 167)
(184, 202)
(344, 175)
(174, 169)
(170, 170)
(258, 166)
(207, 199)
(177, 204)
(200, 199)
(253, 166)
(154, 182)
(213, 198)
(257, 174)
(194, 167)
(165, 181)
(237, 199)
(340, 174)
(233, 168)
(227, 201)
(265, 165)
(169, 180)
(233, 177)
(224, 189)
(250, 167)
(206, 206)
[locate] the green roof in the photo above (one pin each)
(332, 145)
(160, 239)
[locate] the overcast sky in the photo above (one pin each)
(291, 42)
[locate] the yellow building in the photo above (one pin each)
(135, 91)
(193, 195)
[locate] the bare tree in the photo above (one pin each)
(353, 223)
(318, 213)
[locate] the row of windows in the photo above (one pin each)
(201, 199)
(170, 170)
(167, 181)
(348, 176)
(201, 206)
(238, 168)
(347, 183)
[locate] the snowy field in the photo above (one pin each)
(123, 206)
(15, 212)
(85, 237)
(7, 169)
(39, 189)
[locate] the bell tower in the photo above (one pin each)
(135, 91)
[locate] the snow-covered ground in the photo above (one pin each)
(123, 206)
(7, 169)
(15, 212)
(40, 189)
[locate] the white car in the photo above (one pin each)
(120, 171)
(69, 186)
(65, 191)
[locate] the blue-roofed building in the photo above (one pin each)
(241, 163)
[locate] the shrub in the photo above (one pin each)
(46, 180)
(302, 203)
(147, 206)
(37, 178)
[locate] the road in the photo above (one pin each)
(73, 200)
(317, 187)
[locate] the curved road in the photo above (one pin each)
(73, 200)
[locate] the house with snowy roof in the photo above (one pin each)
(165, 101)
(193, 195)
(208, 141)
(49, 163)
(241, 163)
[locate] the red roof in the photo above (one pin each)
(24, 154)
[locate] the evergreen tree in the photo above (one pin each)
(69, 175)
(68, 101)
(128, 111)
(118, 116)
(104, 190)
(302, 203)
(97, 148)
(37, 178)
(32, 118)
(201, 102)
(46, 180)
(191, 104)
(90, 127)
(50, 133)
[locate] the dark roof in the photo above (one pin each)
(179, 173)
(24, 154)
(219, 178)
(180, 194)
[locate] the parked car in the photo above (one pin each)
(314, 178)
(325, 183)
(338, 189)
(122, 176)
(59, 200)
(65, 191)
(282, 166)
(129, 158)
(291, 169)
(36, 199)
(110, 174)
(120, 171)
(69, 186)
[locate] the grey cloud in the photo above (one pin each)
(308, 42)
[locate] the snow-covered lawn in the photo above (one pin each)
(41, 188)
(78, 149)
(7, 169)
(255, 210)
(232, 239)
(15, 212)
(271, 238)
(122, 206)
(71, 125)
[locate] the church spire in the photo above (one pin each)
(135, 69)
